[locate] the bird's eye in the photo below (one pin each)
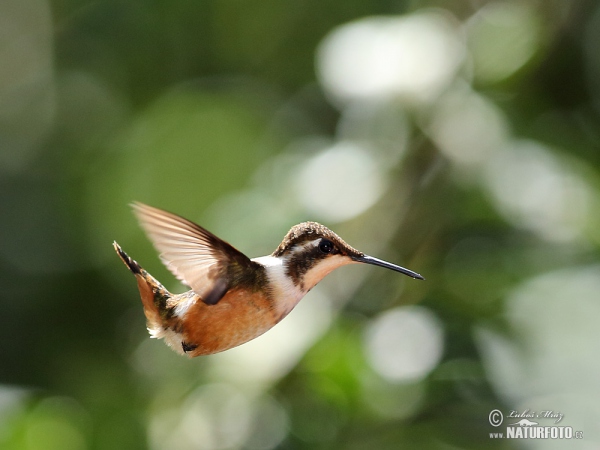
(326, 246)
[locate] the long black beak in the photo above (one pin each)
(379, 262)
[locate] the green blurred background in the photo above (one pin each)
(457, 138)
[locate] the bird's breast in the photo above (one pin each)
(239, 317)
(243, 314)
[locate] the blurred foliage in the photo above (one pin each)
(458, 138)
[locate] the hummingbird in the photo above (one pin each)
(233, 299)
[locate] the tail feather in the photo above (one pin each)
(129, 262)
(155, 297)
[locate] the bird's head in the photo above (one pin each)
(310, 251)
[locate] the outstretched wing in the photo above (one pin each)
(194, 255)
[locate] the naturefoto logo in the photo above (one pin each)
(529, 425)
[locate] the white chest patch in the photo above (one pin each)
(286, 293)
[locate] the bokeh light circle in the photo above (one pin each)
(405, 343)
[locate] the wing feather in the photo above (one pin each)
(193, 254)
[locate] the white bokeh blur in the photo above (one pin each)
(527, 183)
(412, 57)
(536, 191)
(554, 364)
(340, 182)
(466, 127)
(502, 38)
(219, 416)
(404, 344)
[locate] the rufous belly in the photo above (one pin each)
(238, 317)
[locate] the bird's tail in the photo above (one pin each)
(155, 297)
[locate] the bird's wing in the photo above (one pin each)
(194, 255)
